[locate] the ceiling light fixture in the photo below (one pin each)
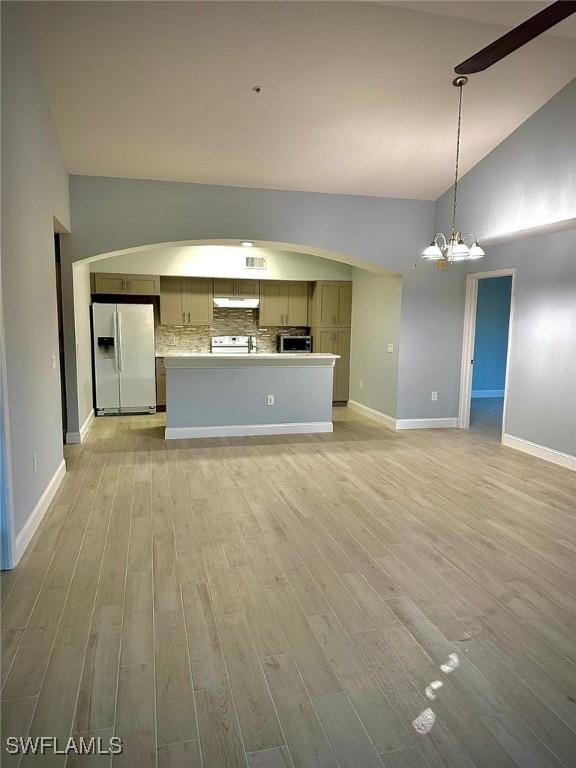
(247, 243)
(454, 247)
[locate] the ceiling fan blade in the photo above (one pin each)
(517, 37)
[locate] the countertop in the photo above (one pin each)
(208, 360)
(270, 355)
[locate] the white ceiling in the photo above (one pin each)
(508, 13)
(357, 97)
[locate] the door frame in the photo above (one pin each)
(466, 366)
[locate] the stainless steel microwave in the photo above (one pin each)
(294, 343)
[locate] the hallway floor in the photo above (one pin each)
(358, 599)
(486, 414)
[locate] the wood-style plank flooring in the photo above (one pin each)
(354, 600)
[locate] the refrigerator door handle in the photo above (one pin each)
(115, 322)
(118, 318)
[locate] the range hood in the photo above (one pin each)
(236, 302)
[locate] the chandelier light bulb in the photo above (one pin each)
(432, 252)
(476, 252)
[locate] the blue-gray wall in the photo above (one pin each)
(491, 340)
(113, 214)
(529, 181)
(34, 191)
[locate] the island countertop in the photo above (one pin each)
(283, 359)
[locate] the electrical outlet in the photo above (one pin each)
(34, 463)
(361, 384)
(270, 400)
(390, 348)
(434, 395)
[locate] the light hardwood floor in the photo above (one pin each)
(297, 601)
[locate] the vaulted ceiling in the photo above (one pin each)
(356, 96)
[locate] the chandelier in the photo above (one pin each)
(455, 247)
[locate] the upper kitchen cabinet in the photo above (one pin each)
(225, 288)
(124, 285)
(331, 304)
(144, 285)
(296, 303)
(283, 303)
(186, 300)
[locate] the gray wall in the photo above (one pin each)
(375, 324)
(528, 181)
(83, 336)
(238, 395)
(112, 214)
(542, 363)
(34, 190)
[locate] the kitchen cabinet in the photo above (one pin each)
(335, 341)
(143, 285)
(283, 303)
(160, 383)
(186, 301)
(331, 304)
(230, 288)
(125, 285)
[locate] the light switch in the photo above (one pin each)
(53, 361)
(390, 348)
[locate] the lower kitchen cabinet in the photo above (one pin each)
(335, 341)
(160, 383)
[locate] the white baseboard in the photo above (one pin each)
(79, 437)
(449, 422)
(540, 451)
(391, 423)
(487, 393)
(372, 413)
(247, 430)
(25, 535)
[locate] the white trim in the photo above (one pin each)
(23, 538)
(247, 430)
(372, 413)
(434, 423)
(466, 370)
(79, 437)
(448, 422)
(487, 393)
(540, 451)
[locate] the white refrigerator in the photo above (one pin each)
(124, 358)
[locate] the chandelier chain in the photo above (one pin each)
(457, 157)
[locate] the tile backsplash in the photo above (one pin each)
(179, 339)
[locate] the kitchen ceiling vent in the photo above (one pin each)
(255, 262)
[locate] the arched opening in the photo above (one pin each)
(260, 261)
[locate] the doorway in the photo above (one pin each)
(488, 316)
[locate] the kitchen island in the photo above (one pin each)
(211, 395)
